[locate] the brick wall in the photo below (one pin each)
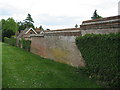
(101, 26)
(59, 48)
(63, 32)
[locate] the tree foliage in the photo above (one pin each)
(29, 21)
(76, 26)
(41, 28)
(9, 27)
(21, 26)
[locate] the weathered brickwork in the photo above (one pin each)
(103, 23)
(64, 32)
(101, 26)
(59, 48)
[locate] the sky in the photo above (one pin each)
(57, 14)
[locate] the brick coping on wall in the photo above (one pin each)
(60, 32)
(102, 19)
(63, 32)
(66, 29)
(102, 23)
(36, 35)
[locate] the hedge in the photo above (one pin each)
(11, 41)
(25, 44)
(102, 57)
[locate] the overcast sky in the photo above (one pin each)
(56, 14)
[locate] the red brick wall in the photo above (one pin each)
(58, 48)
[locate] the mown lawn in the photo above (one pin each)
(22, 69)
(0, 65)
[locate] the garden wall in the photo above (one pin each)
(59, 47)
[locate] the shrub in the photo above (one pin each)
(11, 40)
(26, 44)
(6, 39)
(101, 54)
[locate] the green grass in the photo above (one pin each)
(22, 69)
(0, 65)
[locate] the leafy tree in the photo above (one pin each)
(47, 29)
(95, 15)
(41, 28)
(29, 21)
(9, 27)
(76, 26)
(21, 26)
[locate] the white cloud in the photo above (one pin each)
(56, 14)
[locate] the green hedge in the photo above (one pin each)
(102, 57)
(11, 41)
(6, 39)
(25, 44)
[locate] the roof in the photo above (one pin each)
(25, 32)
(30, 29)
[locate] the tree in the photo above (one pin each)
(47, 29)
(95, 15)
(21, 26)
(41, 28)
(76, 26)
(29, 21)
(9, 27)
